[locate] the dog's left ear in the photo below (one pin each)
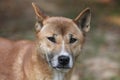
(40, 17)
(83, 20)
(38, 12)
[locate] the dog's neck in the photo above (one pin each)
(58, 75)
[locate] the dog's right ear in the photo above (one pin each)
(83, 20)
(40, 17)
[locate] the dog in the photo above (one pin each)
(52, 56)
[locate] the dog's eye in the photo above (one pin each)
(52, 39)
(72, 40)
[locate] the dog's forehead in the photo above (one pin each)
(57, 19)
(60, 25)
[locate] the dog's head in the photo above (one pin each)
(60, 39)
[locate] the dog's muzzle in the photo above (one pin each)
(61, 62)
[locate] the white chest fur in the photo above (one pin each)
(58, 75)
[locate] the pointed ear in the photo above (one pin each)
(38, 12)
(40, 17)
(83, 20)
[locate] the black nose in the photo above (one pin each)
(63, 60)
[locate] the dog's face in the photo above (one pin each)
(60, 39)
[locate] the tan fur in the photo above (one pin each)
(27, 60)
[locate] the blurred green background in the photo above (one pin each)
(100, 58)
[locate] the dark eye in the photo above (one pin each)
(72, 40)
(52, 39)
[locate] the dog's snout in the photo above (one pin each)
(63, 60)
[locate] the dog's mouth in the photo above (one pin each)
(62, 67)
